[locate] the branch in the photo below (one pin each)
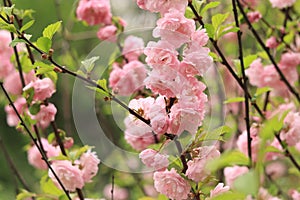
(266, 49)
(247, 112)
(224, 61)
(44, 157)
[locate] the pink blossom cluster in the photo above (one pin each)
(5, 53)
(98, 12)
(197, 170)
(267, 76)
(74, 175)
(282, 3)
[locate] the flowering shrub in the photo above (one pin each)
(181, 137)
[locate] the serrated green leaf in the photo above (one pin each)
(27, 26)
(209, 6)
(44, 43)
(261, 91)
(210, 30)
(228, 158)
(234, 100)
(218, 19)
(25, 195)
(89, 64)
(51, 29)
(35, 108)
(48, 186)
(247, 183)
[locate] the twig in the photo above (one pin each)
(266, 49)
(247, 112)
(112, 187)
(287, 152)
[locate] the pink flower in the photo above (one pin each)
(254, 72)
(70, 175)
(174, 28)
(272, 42)
(197, 167)
(5, 67)
(161, 53)
(294, 194)
(289, 60)
(5, 50)
(232, 173)
(35, 158)
(254, 16)
(138, 134)
(171, 184)
(11, 116)
(43, 88)
(274, 155)
(119, 193)
(242, 143)
(162, 6)
(276, 170)
(197, 58)
(12, 83)
(45, 116)
(282, 3)
(94, 11)
(133, 48)
(219, 189)
(199, 38)
(129, 79)
(89, 165)
(166, 81)
(291, 134)
(107, 33)
(264, 194)
(158, 116)
(153, 159)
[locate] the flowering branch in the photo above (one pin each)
(247, 112)
(266, 49)
(44, 157)
(224, 60)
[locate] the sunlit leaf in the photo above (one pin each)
(51, 29)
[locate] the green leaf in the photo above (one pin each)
(103, 84)
(25, 195)
(209, 6)
(218, 132)
(89, 64)
(210, 30)
(42, 68)
(74, 155)
(248, 60)
(247, 183)
(228, 158)
(261, 91)
(189, 13)
(218, 19)
(289, 37)
(48, 187)
(63, 197)
(27, 26)
(52, 75)
(51, 137)
(44, 43)
(34, 109)
(234, 29)
(51, 29)
(60, 157)
(8, 10)
(8, 27)
(215, 56)
(234, 100)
